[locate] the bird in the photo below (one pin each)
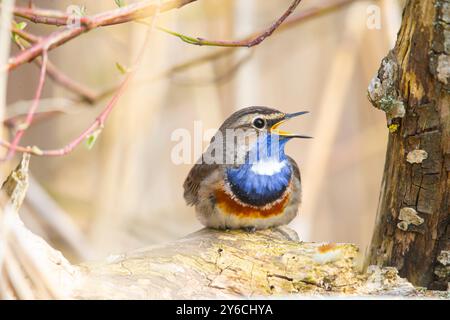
(244, 179)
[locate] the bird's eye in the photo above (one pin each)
(259, 123)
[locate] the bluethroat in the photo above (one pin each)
(244, 179)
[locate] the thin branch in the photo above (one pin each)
(313, 12)
(30, 150)
(289, 23)
(25, 35)
(29, 119)
(5, 23)
(252, 41)
(46, 16)
(257, 38)
(99, 121)
(135, 11)
(54, 73)
(91, 97)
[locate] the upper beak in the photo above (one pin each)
(274, 129)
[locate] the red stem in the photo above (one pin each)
(54, 73)
(254, 41)
(134, 11)
(97, 124)
(99, 121)
(33, 108)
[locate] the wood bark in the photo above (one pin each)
(412, 86)
(235, 264)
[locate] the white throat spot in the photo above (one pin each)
(267, 167)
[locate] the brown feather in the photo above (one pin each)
(198, 173)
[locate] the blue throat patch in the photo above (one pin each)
(265, 175)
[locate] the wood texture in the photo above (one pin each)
(221, 264)
(236, 264)
(29, 267)
(412, 87)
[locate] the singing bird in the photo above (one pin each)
(244, 180)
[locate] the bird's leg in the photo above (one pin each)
(250, 229)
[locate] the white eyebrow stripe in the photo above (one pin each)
(267, 167)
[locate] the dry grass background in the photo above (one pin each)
(126, 192)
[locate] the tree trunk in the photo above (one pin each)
(412, 86)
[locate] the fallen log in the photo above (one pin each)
(235, 264)
(206, 264)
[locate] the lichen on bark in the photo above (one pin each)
(382, 91)
(440, 56)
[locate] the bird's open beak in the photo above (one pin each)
(274, 129)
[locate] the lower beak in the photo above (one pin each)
(274, 129)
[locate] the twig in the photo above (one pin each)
(257, 38)
(25, 35)
(247, 42)
(315, 11)
(91, 97)
(46, 16)
(135, 11)
(293, 20)
(289, 23)
(5, 22)
(99, 121)
(29, 119)
(54, 73)
(59, 18)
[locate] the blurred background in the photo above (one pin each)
(126, 192)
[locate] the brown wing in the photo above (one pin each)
(192, 183)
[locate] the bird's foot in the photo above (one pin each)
(250, 229)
